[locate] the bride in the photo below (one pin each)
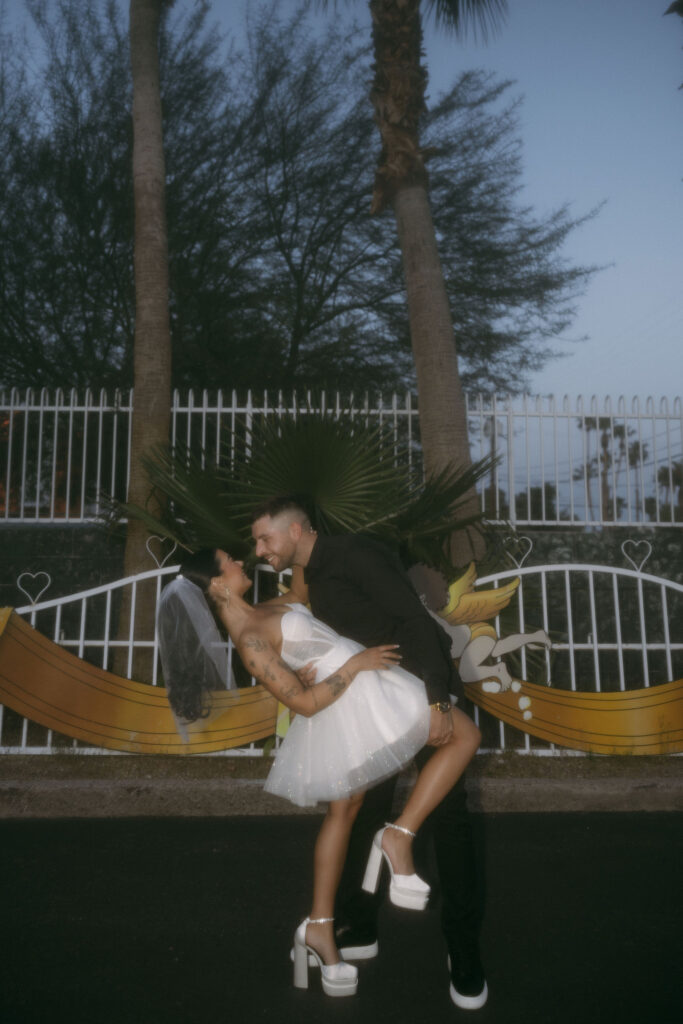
(361, 721)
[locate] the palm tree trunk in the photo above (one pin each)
(152, 353)
(443, 424)
(401, 180)
(441, 402)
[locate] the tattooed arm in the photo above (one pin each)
(264, 662)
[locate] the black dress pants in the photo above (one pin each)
(445, 839)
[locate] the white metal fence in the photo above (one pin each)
(611, 629)
(583, 462)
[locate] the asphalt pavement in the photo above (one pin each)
(189, 921)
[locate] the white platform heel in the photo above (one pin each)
(340, 979)
(407, 891)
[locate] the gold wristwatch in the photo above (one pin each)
(441, 705)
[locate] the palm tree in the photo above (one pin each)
(401, 181)
(670, 478)
(152, 351)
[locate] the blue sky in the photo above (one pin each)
(601, 121)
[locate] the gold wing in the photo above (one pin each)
(480, 605)
(463, 585)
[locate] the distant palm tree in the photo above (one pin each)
(401, 181)
(670, 478)
(152, 352)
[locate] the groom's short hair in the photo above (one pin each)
(298, 505)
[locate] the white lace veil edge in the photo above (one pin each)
(189, 641)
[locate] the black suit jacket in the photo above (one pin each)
(359, 587)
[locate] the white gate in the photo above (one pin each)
(611, 629)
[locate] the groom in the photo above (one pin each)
(358, 587)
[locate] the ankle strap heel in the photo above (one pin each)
(400, 828)
(408, 891)
(340, 979)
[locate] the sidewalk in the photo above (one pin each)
(122, 786)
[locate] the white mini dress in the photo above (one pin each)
(373, 730)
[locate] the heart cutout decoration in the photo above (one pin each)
(634, 546)
(525, 545)
(34, 577)
(162, 540)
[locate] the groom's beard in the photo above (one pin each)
(278, 562)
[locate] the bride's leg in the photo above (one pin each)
(439, 775)
(328, 863)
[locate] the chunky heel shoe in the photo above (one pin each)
(407, 891)
(339, 979)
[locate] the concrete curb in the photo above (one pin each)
(221, 797)
(533, 795)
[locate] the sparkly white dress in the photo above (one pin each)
(374, 729)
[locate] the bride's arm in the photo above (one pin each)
(264, 662)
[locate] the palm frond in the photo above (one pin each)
(156, 525)
(195, 514)
(484, 17)
(354, 477)
(432, 512)
(345, 468)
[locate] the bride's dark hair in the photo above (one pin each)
(200, 568)
(189, 690)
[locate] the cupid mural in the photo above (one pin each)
(647, 720)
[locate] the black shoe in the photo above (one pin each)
(468, 989)
(356, 943)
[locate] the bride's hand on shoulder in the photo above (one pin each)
(383, 656)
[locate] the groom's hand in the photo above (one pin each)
(306, 675)
(440, 728)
